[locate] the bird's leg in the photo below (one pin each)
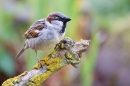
(38, 60)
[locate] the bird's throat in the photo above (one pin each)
(63, 28)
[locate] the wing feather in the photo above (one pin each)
(35, 29)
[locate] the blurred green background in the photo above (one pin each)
(105, 22)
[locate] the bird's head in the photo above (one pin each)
(57, 18)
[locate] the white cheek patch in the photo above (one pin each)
(57, 23)
(60, 23)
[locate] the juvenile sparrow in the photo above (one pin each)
(45, 33)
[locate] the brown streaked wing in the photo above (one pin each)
(34, 30)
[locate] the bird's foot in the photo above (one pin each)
(39, 62)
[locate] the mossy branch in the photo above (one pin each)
(66, 52)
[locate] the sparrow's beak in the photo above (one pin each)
(66, 19)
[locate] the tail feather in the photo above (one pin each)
(21, 51)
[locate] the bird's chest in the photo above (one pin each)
(45, 41)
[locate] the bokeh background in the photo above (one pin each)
(105, 22)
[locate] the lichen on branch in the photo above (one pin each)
(66, 52)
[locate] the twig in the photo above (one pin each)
(66, 52)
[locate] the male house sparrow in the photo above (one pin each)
(45, 33)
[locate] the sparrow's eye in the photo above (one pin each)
(56, 18)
